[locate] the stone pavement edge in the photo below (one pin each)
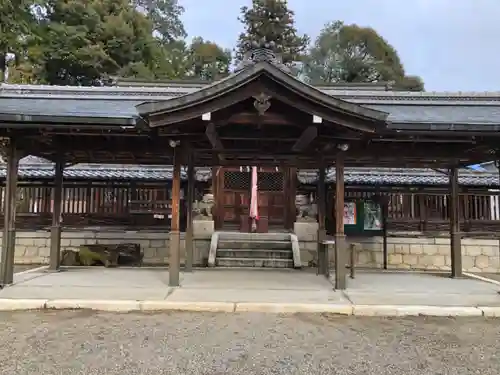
(123, 306)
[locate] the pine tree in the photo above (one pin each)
(270, 24)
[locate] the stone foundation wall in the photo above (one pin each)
(478, 255)
(404, 252)
(33, 247)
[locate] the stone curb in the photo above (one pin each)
(416, 310)
(277, 308)
(482, 278)
(231, 307)
(187, 306)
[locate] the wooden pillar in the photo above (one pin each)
(385, 214)
(55, 230)
(175, 235)
(217, 192)
(189, 215)
(455, 235)
(340, 241)
(286, 195)
(321, 202)
(290, 202)
(9, 207)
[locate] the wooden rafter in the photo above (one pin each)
(305, 139)
(213, 137)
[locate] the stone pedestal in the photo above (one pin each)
(203, 228)
(306, 230)
(307, 236)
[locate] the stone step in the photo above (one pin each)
(254, 253)
(254, 244)
(254, 262)
(238, 236)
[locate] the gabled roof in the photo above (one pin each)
(252, 73)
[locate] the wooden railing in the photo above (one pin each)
(138, 204)
(97, 204)
(428, 211)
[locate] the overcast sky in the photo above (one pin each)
(454, 45)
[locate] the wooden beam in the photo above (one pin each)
(305, 139)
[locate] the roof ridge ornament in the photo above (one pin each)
(262, 54)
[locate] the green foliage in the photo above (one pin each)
(17, 21)
(270, 24)
(74, 42)
(85, 42)
(165, 16)
(171, 61)
(350, 53)
(208, 60)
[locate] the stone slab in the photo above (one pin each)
(265, 307)
(7, 304)
(98, 305)
(283, 308)
(490, 311)
(198, 306)
(70, 292)
(255, 296)
(415, 310)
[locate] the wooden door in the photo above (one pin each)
(272, 196)
(234, 205)
(235, 197)
(272, 206)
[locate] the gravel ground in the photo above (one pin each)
(84, 342)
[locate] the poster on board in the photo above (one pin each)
(373, 216)
(349, 213)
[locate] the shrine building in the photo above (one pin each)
(258, 169)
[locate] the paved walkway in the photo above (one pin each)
(232, 289)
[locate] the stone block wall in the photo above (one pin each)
(424, 253)
(404, 252)
(33, 247)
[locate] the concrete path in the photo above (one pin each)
(371, 293)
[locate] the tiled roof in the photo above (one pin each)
(103, 108)
(120, 102)
(37, 169)
(452, 114)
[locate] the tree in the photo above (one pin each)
(350, 53)
(165, 16)
(270, 24)
(172, 61)
(84, 42)
(17, 21)
(208, 60)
